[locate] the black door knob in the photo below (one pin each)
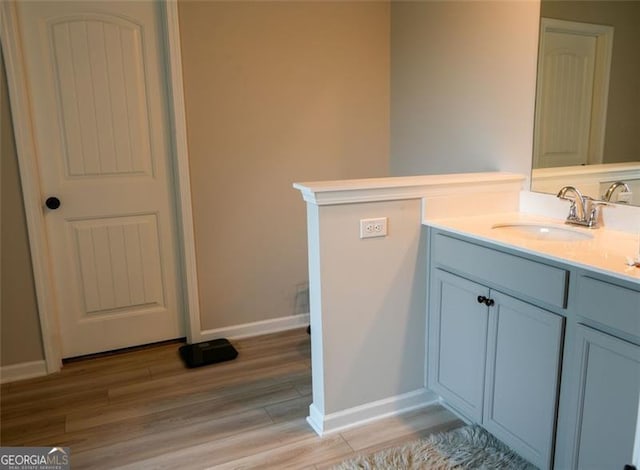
(482, 299)
(489, 302)
(52, 202)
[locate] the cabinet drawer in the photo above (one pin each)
(614, 306)
(539, 281)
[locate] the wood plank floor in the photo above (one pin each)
(143, 409)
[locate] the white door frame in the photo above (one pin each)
(604, 51)
(32, 193)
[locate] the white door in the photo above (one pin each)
(96, 78)
(573, 70)
(567, 88)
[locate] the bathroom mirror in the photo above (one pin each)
(587, 122)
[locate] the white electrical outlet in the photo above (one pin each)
(370, 228)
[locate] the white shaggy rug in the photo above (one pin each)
(470, 447)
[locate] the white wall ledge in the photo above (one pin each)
(405, 187)
(385, 305)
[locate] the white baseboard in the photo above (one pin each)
(256, 328)
(315, 420)
(25, 370)
(364, 414)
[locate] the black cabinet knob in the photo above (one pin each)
(52, 203)
(482, 299)
(629, 467)
(489, 302)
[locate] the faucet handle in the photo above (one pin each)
(572, 208)
(599, 203)
(590, 203)
(594, 213)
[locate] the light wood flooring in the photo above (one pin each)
(143, 409)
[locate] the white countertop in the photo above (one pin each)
(605, 253)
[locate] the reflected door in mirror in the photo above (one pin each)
(573, 71)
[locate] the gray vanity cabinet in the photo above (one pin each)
(500, 322)
(601, 378)
(492, 357)
(458, 342)
(609, 378)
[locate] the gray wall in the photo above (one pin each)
(276, 92)
(622, 133)
(462, 86)
(19, 322)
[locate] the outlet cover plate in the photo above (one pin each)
(372, 228)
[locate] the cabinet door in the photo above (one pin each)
(523, 354)
(457, 342)
(608, 391)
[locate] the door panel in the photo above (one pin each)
(101, 92)
(566, 99)
(573, 86)
(608, 400)
(119, 262)
(524, 350)
(96, 75)
(457, 342)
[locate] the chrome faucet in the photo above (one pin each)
(612, 189)
(583, 209)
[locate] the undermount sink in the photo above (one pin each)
(536, 231)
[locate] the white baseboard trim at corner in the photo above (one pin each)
(364, 414)
(315, 419)
(256, 328)
(25, 370)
